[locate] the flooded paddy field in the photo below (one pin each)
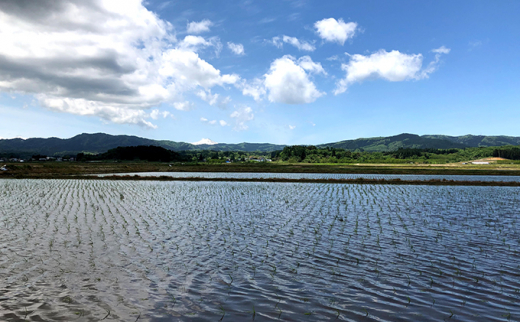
(235, 175)
(90, 250)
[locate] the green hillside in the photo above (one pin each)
(99, 143)
(405, 140)
(479, 141)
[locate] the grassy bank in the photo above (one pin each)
(58, 170)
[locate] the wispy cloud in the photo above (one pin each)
(198, 27)
(238, 49)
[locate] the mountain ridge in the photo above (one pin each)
(100, 142)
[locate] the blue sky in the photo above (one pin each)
(286, 72)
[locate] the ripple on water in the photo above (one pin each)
(192, 251)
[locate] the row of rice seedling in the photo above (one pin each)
(124, 250)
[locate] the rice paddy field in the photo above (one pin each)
(91, 250)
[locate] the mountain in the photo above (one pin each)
(479, 141)
(205, 141)
(404, 140)
(100, 143)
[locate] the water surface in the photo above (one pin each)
(89, 250)
(487, 178)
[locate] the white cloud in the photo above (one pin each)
(183, 106)
(307, 64)
(196, 43)
(110, 59)
(205, 141)
(198, 27)
(433, 65)
(254, 89)
(277, 41)
(211, 99)
(189, 70)
(84, 107)
(155, 114)
(392, 66)
(238, 49)
(225, 101)
(333, 30)
(213, 122)
(287, 81)
(242, 116)
(441, 50)
(292, 127)
(301, 45)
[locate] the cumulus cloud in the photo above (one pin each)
(110, 59)
(223, 123)
(301, 45)
(288, 81)
(292, 127)
(392, 66)
(238, 49)
(198, 27)
(333, 30)
(242, 116)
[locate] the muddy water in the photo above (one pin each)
(80, 250)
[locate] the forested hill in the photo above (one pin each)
(405, 140)
(100, 143)
(479, 141)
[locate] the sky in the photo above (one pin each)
(277, 71)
